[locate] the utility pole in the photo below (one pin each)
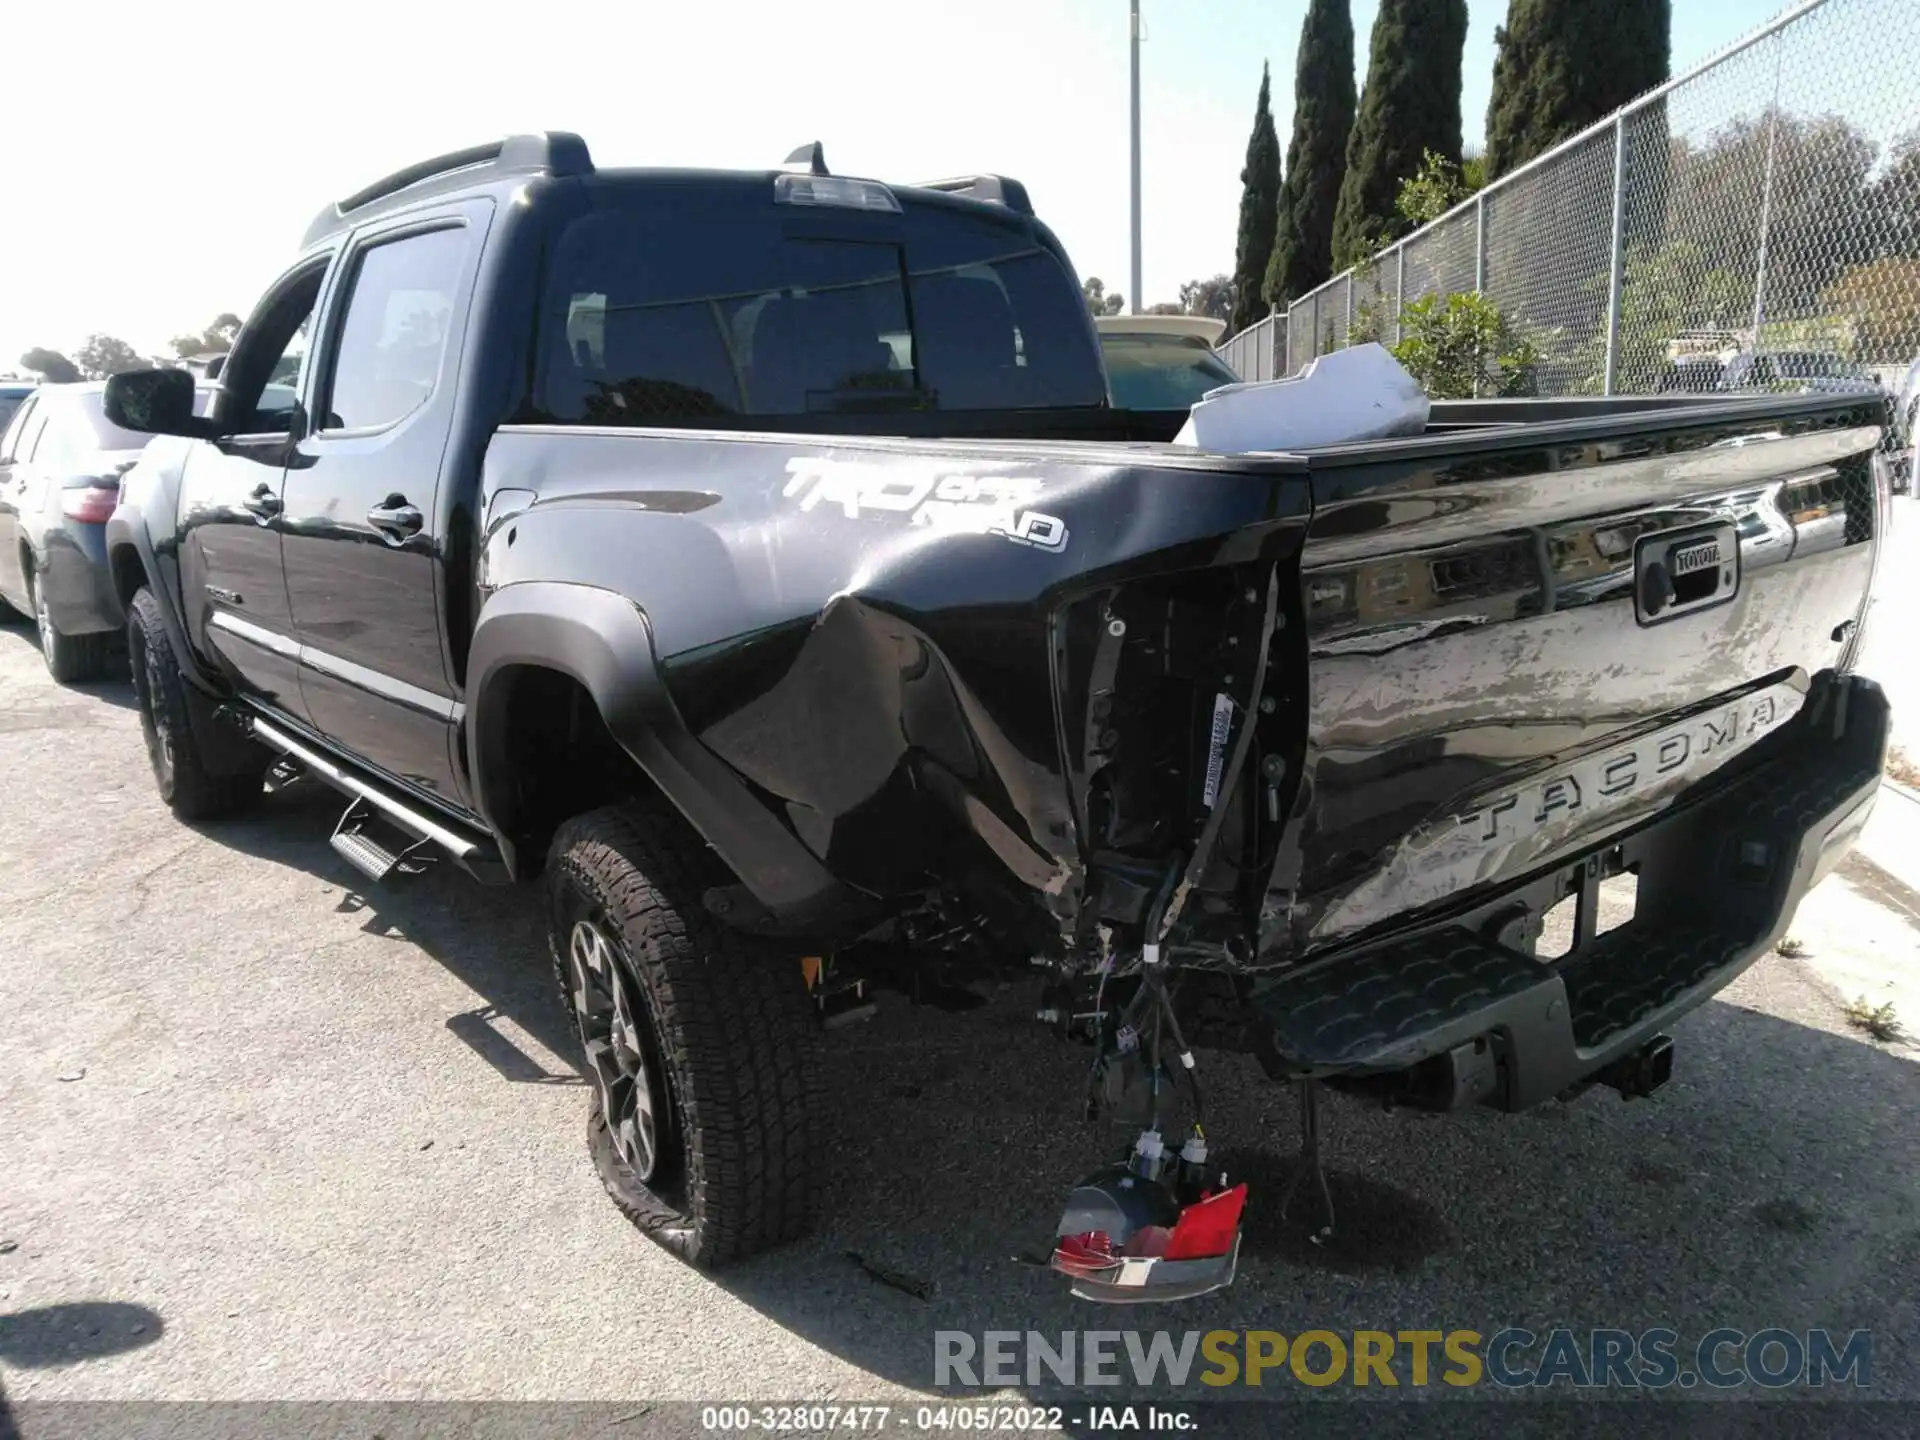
(1133, 291)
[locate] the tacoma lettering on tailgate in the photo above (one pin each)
(1602, 781)
(1510, 831)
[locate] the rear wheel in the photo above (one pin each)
(702, 1051)
(195, 785)
(70, 658)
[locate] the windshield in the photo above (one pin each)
(728, 304)
(11, 401)
(1161, 372)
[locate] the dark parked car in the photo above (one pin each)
(1691, 375)
(1805, 371)
(61, 461)
(1162, 362)
(758, 558)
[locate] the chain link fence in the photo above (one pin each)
(1753, 223)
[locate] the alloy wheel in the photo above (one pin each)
(43, 621)
(622, 1057)
(153, 710)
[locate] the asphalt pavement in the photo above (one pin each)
(269, 1133)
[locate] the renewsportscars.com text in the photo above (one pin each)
(1510, 1358)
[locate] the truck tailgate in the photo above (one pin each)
(1523, 644)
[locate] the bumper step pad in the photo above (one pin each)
(1390, 1007)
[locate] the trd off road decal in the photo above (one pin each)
(941, 499)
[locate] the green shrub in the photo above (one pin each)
(1459, 346)
(1369, 323)
(1437, 187)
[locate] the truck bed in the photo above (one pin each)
(1463, 682)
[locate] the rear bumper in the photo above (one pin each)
(78, 581)
(1720, 877)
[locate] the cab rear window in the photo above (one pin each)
(653, 317)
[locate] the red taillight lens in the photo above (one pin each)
(92, 503)
(1207, 1229)
(1088, 1255)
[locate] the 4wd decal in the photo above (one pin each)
(978, 504)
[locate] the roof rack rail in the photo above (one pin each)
(997, 189)
(550, 152)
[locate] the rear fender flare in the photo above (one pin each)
(602, 640)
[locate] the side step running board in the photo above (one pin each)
(360, 844)
(367, 852)
(284, 772)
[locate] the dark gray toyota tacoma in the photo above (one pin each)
(757, 558)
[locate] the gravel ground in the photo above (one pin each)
(268, 1134)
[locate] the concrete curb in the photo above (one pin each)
(1891, 840)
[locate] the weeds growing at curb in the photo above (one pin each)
(1901, 767)
(1879, 1021)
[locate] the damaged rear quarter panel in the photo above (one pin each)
(864, 630)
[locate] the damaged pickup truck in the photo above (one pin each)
(757, 558)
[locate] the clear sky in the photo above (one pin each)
(164, 160)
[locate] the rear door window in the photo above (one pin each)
(660, 313)
(10, 442)
(63, 436)
(27, 442)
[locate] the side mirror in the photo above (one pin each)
(155, 402)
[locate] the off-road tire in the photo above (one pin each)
(728, 1024)
(192, 787)
(71, 659)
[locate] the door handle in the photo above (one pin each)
(395, 518)
(263, 502)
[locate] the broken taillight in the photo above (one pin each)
(1209, 1227)
(90, 503)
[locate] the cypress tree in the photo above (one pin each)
(1259, 212)
(1411, 105)
(1563, 64)
(1316, 154)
